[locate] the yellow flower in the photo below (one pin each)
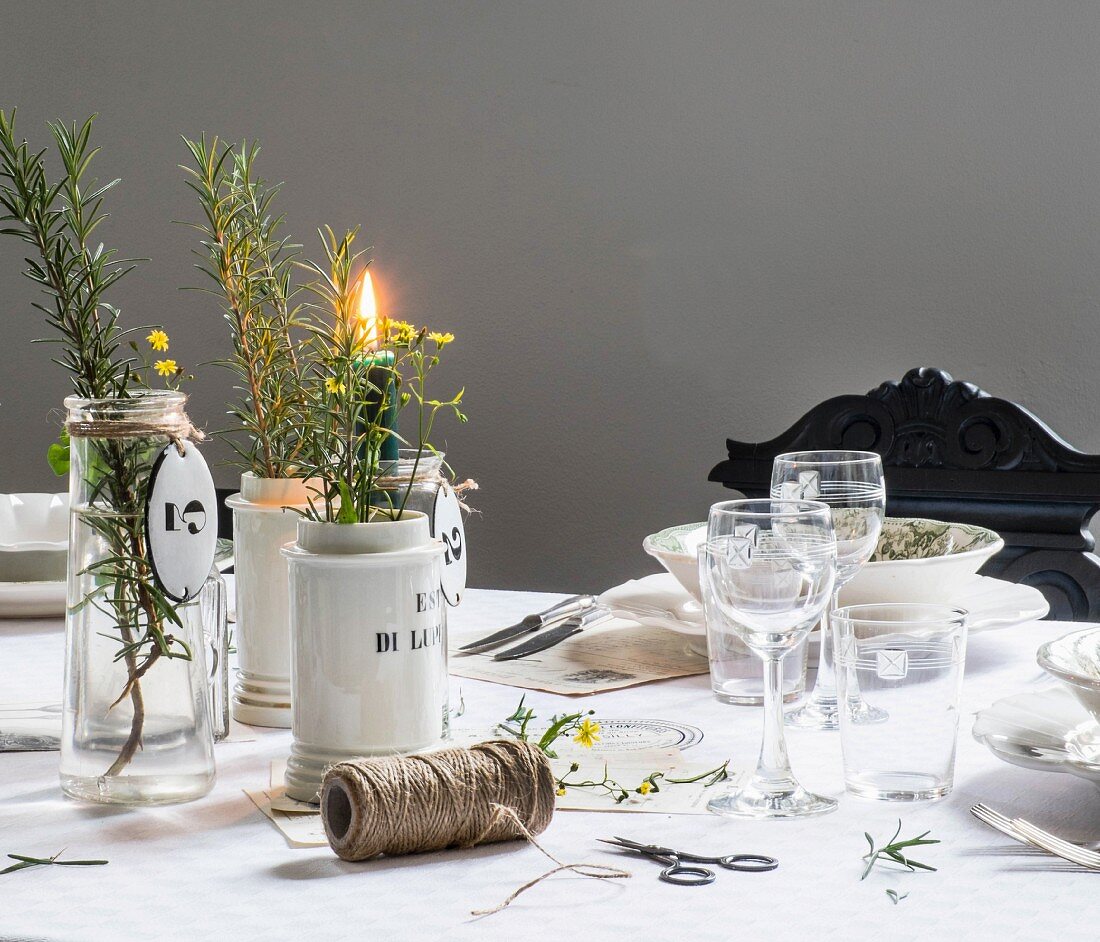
(645, 788)
(401, 331)
(158, 340)
(333, 385)
(587, 733)
(561, 792)
(441, 339)
(166, 367)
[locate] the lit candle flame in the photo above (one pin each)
(366, 313)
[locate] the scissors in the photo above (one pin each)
(678, 873)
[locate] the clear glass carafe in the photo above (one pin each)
(136, 719)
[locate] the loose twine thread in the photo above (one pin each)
(494, 791)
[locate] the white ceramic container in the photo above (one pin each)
(1075, 660)
(916, 560)
(921, 560)
(262, 525)
(369, 635)
(34, 537)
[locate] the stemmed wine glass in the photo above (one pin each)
(851, 484)
(768, 566)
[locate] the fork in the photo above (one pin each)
(1028, 833)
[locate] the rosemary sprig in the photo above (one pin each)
(25, 862)
(893, 852)
(244, 253)
(57, 219)
(896, 897)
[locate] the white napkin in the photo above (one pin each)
(657, 600)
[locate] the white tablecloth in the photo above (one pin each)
(216, 869)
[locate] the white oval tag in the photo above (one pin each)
(181, 521)
(447, 526)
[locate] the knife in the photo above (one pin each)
(571, 606)
(571, 626)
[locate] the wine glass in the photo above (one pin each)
(851, 484)
(768, 566)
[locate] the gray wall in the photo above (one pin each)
(650, 224)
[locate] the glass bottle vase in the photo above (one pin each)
(136, 721)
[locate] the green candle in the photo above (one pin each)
(381, 394)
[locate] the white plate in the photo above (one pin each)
(659, 601)
(32, 599)
(47, 599)
(1047, 730)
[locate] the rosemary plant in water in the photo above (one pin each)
(252, 263)
(57, 219)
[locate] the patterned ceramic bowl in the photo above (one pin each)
(34, 537)
(1075, 660)
(676, 549)
(919, 560)
(916, 560)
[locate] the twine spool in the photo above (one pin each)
(451, 798)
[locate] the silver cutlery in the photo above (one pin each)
(554, 614)
(1028, 833)
(548, 639)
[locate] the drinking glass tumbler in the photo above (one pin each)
(905, 659)
(736, 674)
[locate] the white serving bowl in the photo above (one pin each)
(949, 556)
(920, 560)
(34, 537)
(676, 548)
(1075, 660)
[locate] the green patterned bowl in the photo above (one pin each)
(920, 560)
(676, 549)
(916, 560)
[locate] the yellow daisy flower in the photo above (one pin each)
(441, 339)
(587, 733)
(561, 792)
(645, 788)
(334, 386)
(158, 340)
(166, 367)
(401, 331)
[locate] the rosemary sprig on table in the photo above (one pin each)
(25, 862)
(893, 852)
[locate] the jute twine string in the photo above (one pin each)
(494, 791)
(392, 482)
(175, 427)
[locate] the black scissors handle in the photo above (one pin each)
(680, 874)
(747, 863)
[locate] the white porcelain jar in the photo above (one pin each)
(369, 637)
(263, 522)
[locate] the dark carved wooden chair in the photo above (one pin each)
(953, 452)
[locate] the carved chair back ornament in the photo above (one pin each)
(953, 452)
